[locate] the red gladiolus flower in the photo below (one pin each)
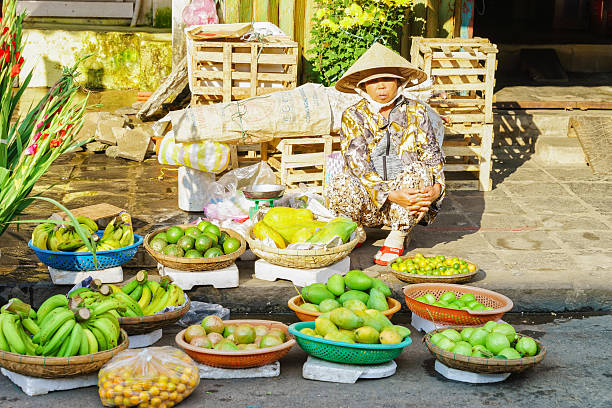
(62, 133)
(37, 136)
(15, 70)
(14, 43)
(17, 54)
(7, 55)
(32, 149)
(69, 126)
(38, 125)
(5, 30)
(45, 135)
(56, 142)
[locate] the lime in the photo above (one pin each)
(447, 297)
(223, 236)
(231, 245)
(193, 232)
(430, 298)
(212, 253)
(213, 237)
(158, 244)
(467, 298)
(173, 234)
(203, 243)
(213, 229)
(173, 250)
(192, 253)
(161, 235)
(203, 224)
(186, 243)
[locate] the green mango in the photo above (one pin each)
(380, 285)
(349, 333)
(401, 330)
(389, 336)
(376, 319)
(328, 305)
(335, 284)
(377, 300)
(308, 331)
(354, 294)
(354, 304)
(341, 228)
(324, 315)
(366, 335)
(338, 336)
(358, 280)
(345, 319)
(324, 326)
(310, 306)
(317, 294)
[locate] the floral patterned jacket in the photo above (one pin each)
(412, 137)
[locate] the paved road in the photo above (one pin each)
(577, 372)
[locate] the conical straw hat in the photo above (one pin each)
(379, 61)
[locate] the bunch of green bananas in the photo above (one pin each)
(57, 329)
(47, 236)
(117, 234)
(153, 296)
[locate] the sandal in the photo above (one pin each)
(386, 255)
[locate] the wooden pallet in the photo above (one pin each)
(467, 150)
(462, 72)
(226, 71)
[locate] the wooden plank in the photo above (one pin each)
(462, 150)
(246, 11)
(490, 85)
(462, 184)
(454, 41)
(253, 74)
(227, 73)
(305, 140)
(304, 177)
(467, 19)
(265, 10)
(458, 71)
(274, 163)
(237, 92)
(203, 74)
(244, 58)
(461, 167)
(446, 18)
(485, 158)
(293, 161)
(457, 55)
(79, 9)
(286, 17)
(442, 103)
(231, 12)
(433, 9)
(459, 87)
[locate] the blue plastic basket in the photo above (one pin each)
(347, 353)
(83, 261)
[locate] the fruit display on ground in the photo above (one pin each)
(286, 226)
(354, 291)
(433, 265)
(368, 326)
(213, 333)
(117, 234)
(205, 240)
(150, 377)
(449, 300)
(498, 340)
(57, 329)
(139, 297)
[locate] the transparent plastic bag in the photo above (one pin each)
(199, 310)
(200, 12)
(153, 376)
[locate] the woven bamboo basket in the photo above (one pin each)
(240, 358)
(60, 367)
(414, 278)
(145, 324)
(302, 258)
(309, 316)
(449, 317)
(195, 264)
(482, 365)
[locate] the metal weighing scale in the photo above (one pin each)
(263, 193)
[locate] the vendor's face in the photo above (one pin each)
(382, 90)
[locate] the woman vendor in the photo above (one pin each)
(393, 164)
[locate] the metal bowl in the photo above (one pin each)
(264, 191)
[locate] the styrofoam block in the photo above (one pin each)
(220, 278)
(467, 376)
(322, 370)
(146, 339)
(425, 326)
(215, 373)
(40, 386)
(300, 277)
(110, 275)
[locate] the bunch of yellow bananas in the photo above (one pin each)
(117, 234)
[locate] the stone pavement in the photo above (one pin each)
(543, 236)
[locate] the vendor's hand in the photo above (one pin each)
(410, 199)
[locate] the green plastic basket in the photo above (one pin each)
(347, 353)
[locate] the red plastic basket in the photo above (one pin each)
(453, 317)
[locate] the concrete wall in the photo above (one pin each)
(120, 60)
(573, 57)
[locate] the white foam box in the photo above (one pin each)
(110, 275)
(300, 277)
(145, 339)
(425, 326)
(215, 373)
(322, 370)
(40, 386)
(467, 376)
(220, 278)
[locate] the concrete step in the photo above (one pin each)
(559, 151)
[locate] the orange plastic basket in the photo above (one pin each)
(449, 317)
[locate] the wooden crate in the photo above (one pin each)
(464, 70)
(302, 160)
(467, 150)
(223, 71)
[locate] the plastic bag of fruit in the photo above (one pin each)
(153, 376)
